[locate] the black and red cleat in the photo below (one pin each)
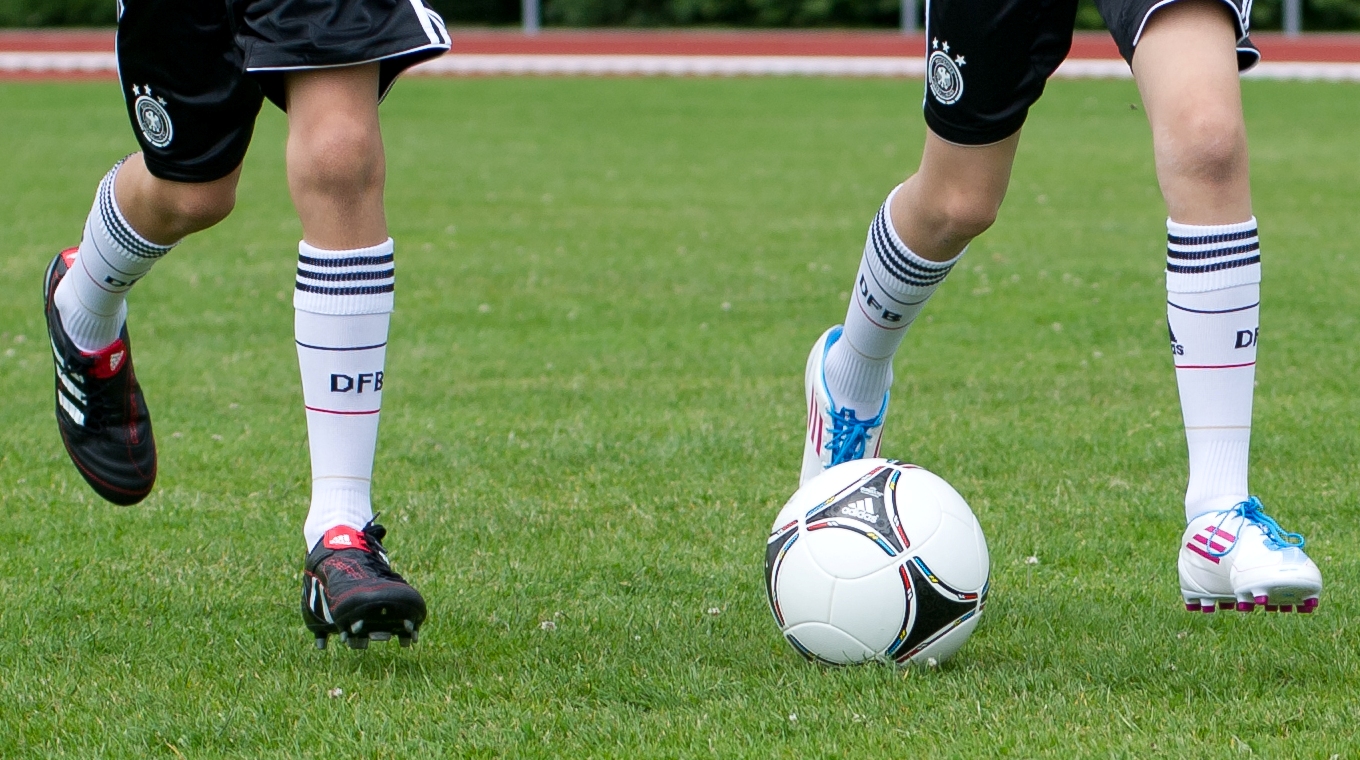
(101, 413)
(349, 588)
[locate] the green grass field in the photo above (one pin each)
(606, 292)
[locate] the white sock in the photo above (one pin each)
(891, 288)
(343, 303)
(112, 258)
(1213, 276)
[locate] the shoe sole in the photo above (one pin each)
(371, 622)
(1199, 603)
(1283, 597)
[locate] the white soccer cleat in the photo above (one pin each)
(1240, 558)
(834, 435)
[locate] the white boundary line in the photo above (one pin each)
(459, 64)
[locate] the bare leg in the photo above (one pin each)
(954, 196)
(1186, 69)
(336, 166)
(165, 212)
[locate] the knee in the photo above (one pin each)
(339, 157)
(964, 213)
(187, 208)
(1206, 146)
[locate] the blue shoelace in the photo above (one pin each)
(1254, 512)
(849, 435)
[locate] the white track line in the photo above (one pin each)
(58, 63)
(691, 65)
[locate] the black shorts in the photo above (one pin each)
(195, 72)
(989, 59)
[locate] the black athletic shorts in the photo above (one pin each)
(194, 72)
(989, 59)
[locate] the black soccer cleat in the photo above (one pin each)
(101, 413)
(349, 588)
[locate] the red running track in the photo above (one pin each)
(1328, 48)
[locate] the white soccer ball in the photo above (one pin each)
(876, 560)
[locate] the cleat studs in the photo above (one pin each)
(1287, 608)
(380, 635)
(1311, 604)
(1225, 605)
(1192, 606)
(410, 627)
(357, 627)
(405, 641)
(1272, 608)
(320, 642)
(344, 637)
(1246, 606)
(358, 642)
(415, 636)
(1260, 598)
(1305, 609)
(1207, 608)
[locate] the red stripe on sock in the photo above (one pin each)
(1214, 366)
(335, 411)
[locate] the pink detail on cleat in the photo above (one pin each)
(1262, 599)
(1311, 604)
(1287, 608)
(1192, 606)
(1272, 608)
(1246, 606)
(1207, 608)
(1225, 605)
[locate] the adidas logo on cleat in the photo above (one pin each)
(1214, 543)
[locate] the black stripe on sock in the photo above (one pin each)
(1213, 254)
(333, 348)
(1179, 269)
(1178, 307)
(352, 261)
(363, 290)
(902, 268)
(1226, 237)
(385, 274)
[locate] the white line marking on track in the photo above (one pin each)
(693, 65)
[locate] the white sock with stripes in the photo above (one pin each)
(92, 297)
(343, 303)
(1213, 305)
(891, 288)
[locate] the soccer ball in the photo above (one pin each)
(876, 560)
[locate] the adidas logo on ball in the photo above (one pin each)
(861, 510)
